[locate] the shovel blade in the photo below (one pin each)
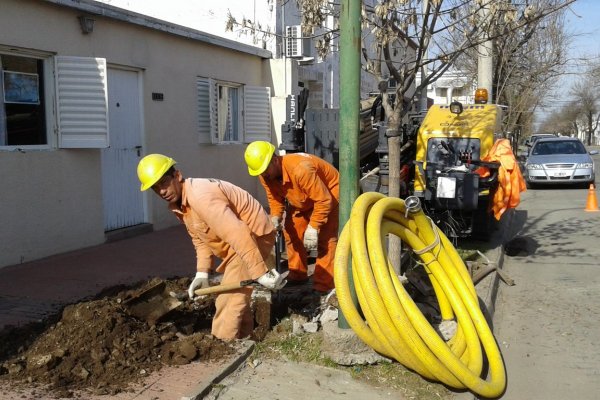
(152, 304)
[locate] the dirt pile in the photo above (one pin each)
(98, 346)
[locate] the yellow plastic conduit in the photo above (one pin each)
(394, 324)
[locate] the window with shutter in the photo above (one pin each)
(82, 102)
(232, 112)
(207, 110)
(257, 100)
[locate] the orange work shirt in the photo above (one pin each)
(223, 220)
(308, 182)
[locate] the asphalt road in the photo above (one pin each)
(548, 324)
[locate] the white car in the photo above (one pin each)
(559, 160)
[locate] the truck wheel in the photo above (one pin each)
(484, 223)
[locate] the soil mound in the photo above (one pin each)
(97, 346)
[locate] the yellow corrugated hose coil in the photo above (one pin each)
(393, 325)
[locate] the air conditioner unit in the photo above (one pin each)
(295, 45)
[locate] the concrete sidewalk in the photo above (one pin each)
(34, 290)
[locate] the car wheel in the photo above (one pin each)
(530, 185)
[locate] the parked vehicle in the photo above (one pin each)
(559, 160)
(530, 141)
(533, 138)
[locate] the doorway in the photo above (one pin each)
(122, 198)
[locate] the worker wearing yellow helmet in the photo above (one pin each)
(310, 186)
(225, 222)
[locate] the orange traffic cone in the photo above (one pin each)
(592, 202)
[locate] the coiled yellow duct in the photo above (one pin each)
(394, 325)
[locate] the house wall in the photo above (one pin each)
(52, 198)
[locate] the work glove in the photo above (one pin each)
(311, 237)
(272, 280)
(277, 222)
(200, 281)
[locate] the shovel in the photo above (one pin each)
(155, 303)
(213, 289)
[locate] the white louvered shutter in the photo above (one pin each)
(257, 113)
(82, 102)
(207, 110)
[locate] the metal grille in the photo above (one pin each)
(559, 165)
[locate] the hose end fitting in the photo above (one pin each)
(412, 204)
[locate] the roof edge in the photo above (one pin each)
(120, 14)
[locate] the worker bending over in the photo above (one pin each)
(311, 187)
(226, 222)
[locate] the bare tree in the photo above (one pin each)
(405, 38)
(527, 60)
(587, 98)
(565, 121)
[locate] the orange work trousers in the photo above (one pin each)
(233, 317)
(296, 223)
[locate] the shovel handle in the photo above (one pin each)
(222, 288)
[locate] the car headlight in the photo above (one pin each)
(585, 165)
(534, 166)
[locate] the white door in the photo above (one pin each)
(123, 201)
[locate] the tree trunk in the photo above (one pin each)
(394, 144)
(589, 130)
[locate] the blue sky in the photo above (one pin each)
(583, 21)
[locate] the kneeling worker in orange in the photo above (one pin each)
(311, 187)
(226, 222)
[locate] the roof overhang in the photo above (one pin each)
(101, 9)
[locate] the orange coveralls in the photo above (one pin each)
(311, 187)
(225, 221)
(510, 179)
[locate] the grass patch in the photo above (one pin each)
(282, 344)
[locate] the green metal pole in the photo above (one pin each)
(349, 129)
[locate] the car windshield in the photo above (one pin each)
(558, 147)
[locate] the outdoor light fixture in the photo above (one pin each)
(481, 96)
(86, 23)
(456, 107)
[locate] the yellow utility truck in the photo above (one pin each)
(450, 144)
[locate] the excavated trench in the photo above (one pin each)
(99, 347)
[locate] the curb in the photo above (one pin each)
(487, 288)
(489, 285)
(203, 388)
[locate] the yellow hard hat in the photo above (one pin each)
(151, 168)
(258, 156)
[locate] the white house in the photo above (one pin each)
(452, 86)
(87, 90)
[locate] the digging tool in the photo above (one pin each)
(278, 266)
(155, 302)
(212, 290)
(152, 304)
